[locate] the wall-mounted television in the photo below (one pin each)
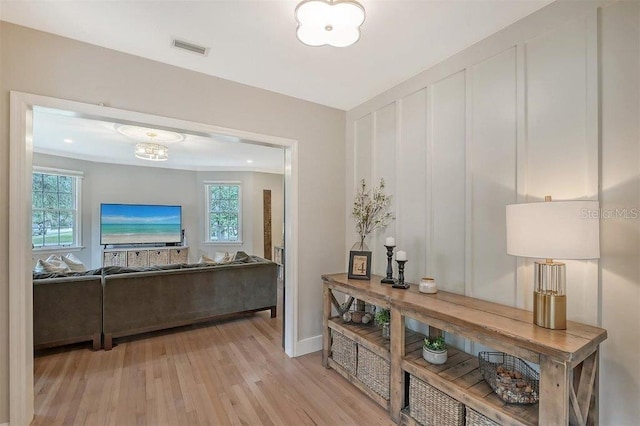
(140, 224)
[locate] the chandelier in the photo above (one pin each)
(151, 151)
(148, 147)
(329, 22)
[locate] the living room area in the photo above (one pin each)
(460, 108)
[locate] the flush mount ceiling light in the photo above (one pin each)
(329, 22)
(146, 134)
(151, 151)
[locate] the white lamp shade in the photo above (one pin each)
(554, 230)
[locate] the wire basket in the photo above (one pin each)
(510, 377)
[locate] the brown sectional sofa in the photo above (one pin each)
(115, 302)
(139, 302)
(67, 310)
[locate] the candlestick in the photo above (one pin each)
(389, 278)
(390, 242)
(401, 255)
(400, 283)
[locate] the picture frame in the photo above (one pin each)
(359, 265)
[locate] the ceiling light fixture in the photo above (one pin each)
(329, 22)
(147, 134)
(151, 151)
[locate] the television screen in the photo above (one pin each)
(140, 224)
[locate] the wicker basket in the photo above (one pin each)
(373, 371)
(430, 407)
(476, 419)
(344, 351)
(510, 377)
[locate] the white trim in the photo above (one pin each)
(56, 249)
(308, 345)
(21, 292)
(59, 172)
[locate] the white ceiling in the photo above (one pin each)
(99, 141)
(254, 42)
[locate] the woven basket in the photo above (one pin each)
(430, 407)
(344, 352)
(476, 419)
(510, 377)
(373, 371)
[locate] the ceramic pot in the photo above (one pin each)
(428, 285)
(434, 357)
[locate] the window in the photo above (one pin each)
(55, 208)
(224, 218)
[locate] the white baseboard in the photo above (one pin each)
(4, 424)
(308, 345)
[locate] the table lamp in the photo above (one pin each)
(553, 230)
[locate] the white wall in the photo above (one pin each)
(114, 183)
(45, 64)
(512, 119)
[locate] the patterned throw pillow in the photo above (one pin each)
(74, 263)
(207, 260)
(51, 266)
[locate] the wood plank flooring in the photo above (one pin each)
(227, 373)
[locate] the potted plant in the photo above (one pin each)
(434, 350)
(383, 317)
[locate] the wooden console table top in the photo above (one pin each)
(479, 317)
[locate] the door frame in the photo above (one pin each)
(21, 406)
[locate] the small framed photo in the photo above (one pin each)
(359, 265)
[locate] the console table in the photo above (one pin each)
(568, 359)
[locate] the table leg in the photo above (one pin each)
(326, 332)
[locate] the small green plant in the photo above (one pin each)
(436, 344)
(383, 316)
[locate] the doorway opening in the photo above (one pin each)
(23, 107)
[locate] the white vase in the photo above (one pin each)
(434, 357)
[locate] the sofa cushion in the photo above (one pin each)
(45, 275)
(115, 270)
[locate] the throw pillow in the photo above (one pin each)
(74, 263)
(208, 260)
(52, 266)
(219, 257)
(224, 257)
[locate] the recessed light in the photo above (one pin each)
(67, 140)
(249, 161)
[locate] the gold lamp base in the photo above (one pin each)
(550, 310)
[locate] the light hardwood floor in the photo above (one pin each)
(232, 372)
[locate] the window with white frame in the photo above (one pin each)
(55, 201)
(224, 212)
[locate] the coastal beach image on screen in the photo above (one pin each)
(139, 224)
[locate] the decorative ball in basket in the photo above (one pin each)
(510, 377)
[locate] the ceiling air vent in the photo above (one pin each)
(190, 47)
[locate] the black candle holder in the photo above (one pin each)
(389, 278)
(400, 283)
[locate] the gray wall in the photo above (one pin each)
(113, 183)
(45, 64)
